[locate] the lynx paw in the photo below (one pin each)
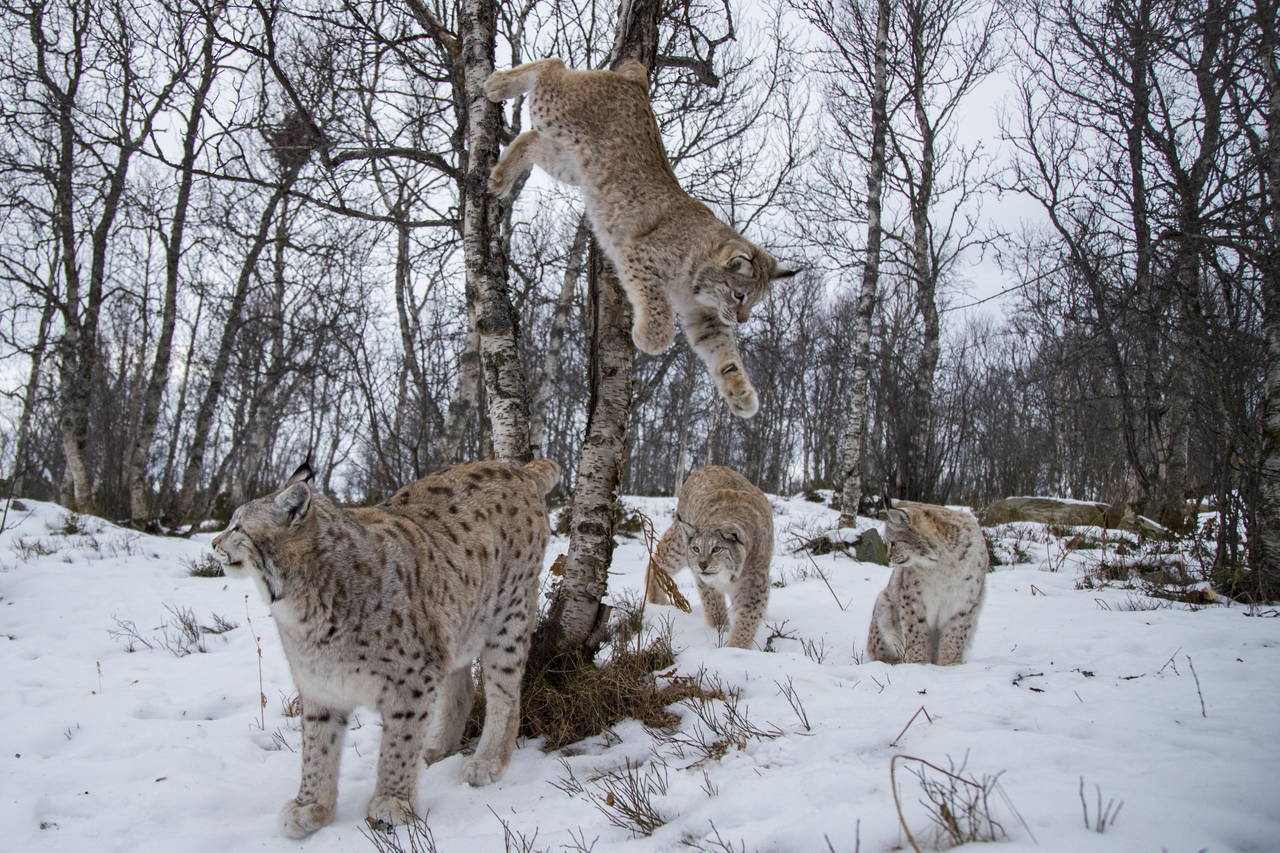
(386, 810)
(497, 87)
(652, 339)
(479, 772)
(298, 820)
(736, 389)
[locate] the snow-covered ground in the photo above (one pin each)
(1171, 711)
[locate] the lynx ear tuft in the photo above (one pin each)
(296, 501)
(303, 474)
(783, 272)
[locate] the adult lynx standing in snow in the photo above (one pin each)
(723, 530)
(387, 607)
(927, 612)
(596, 130)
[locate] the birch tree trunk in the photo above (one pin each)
(555, 340)
(915, 480)
(577, 616)
(465, 394)
(853, 445)
(22, 461)
(576, 612)
(484, 245)
(1264, 535)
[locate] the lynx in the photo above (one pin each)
(723, 530)
(927, 612)
(387, 607)
(596, 130)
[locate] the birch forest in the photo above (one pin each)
(1040, 243)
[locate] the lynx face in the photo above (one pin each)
(245, 547)
(905, 543)
(716, 553)
(739, 275)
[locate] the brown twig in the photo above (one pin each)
(919, 711)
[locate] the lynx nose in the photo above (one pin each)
(702, 564)
(743, 314)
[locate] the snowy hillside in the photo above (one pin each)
(120, 733)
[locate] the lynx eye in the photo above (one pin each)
(739, 297)
(716, 550)
(694, 549)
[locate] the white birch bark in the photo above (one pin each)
(853, 444)
(484, 246)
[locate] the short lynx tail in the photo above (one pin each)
(545, 472)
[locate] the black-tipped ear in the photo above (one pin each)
(783, 272)
(296, 501)
(684, 525)
(304, 474)
(731, 536)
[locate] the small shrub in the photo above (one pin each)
(958, 804)
(813, 496)
(28, 549)
(1104, 816)
(72, 524)
(624, 795)
(205, 566)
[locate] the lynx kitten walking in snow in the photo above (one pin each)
(596, 130)
(723, 530)
(927, 612)
(387, 606)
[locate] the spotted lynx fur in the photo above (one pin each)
(927, 612)
(387, 606)
(596, 130)
(723, 530)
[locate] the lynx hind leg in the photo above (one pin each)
(449, 715)
(503, 85)
(715, 344)
(653, 328)
(502, 663)
(323, 731)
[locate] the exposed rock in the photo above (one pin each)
(869, 547)
(1051, 511)
(1072, 513)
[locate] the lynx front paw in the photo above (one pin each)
(387, 811)
(501, 181)
(298, 820)
(479, 772)
(736, 389)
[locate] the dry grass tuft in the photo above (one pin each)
(568, 697)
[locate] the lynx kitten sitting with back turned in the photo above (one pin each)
(927, 612)
(387, 606)
(596, 130)
(723, 530)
